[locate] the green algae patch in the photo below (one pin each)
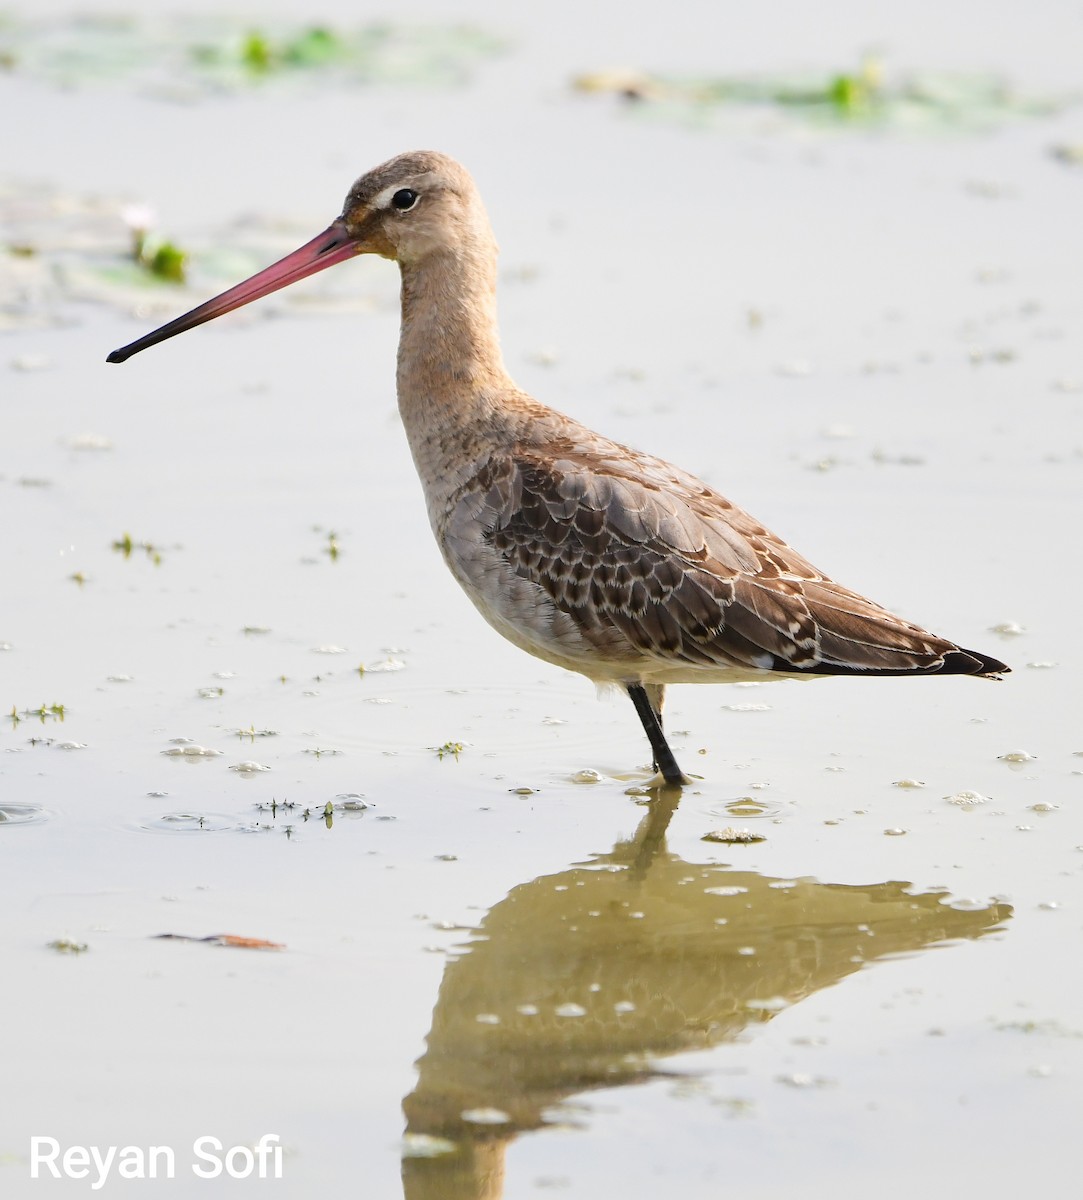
(866, 96)
(190, 58)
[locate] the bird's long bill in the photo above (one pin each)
(332, 246)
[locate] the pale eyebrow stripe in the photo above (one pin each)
(382, 199)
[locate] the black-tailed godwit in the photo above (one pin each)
(581, 551)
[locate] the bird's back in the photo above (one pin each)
(613, 562)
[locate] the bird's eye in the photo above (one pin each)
(404, 199)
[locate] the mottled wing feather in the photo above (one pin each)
(679, 573)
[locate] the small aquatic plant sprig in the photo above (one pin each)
(43, 713)
(156, 255)
(126, 544)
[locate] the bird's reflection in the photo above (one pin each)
(585, 978)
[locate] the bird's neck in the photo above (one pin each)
(449, 348)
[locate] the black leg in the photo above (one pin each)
(652, 724)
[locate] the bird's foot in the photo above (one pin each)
(669, 779)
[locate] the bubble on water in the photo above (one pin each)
(1008, 629)
(733, 890)
(908, 783)
(733, 837)
(965, 903)
(1017, 756)
(71, 745)
(768, 1004)
(796, 368)
(190, 750)
(386, 666)
(485, 1116)
(330, 649)
(426, 1145)
(587, 775)
(570, 1010)
(22, 814)
(248, 767)
(800, 1080)
(894, 831)
(966, 799)
(746, 806)
(185, 822)
(487, 1018)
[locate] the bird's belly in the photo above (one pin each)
(523, 613)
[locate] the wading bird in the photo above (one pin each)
(581, 551)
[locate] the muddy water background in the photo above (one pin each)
(607, 1010)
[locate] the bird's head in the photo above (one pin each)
(414, 205)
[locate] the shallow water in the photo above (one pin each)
(510, 965)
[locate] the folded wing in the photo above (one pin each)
(634, 550)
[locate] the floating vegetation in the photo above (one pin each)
(866, 96)
(125, 545)
(67, 946)
(448, 748)
(233, 940)
(252, 733)
(275, 805)
(43, 713)
(348, 804)
(59, 248)
(164, 261)
(190, 58)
